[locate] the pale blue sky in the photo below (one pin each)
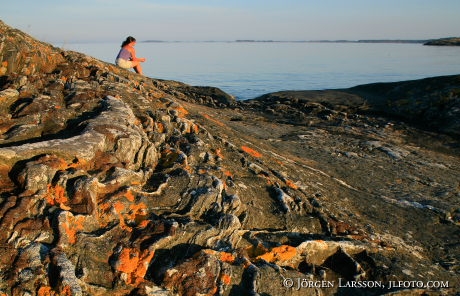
(112, 20)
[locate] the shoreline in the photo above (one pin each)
(113, 183)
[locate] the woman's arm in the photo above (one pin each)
(133, 55)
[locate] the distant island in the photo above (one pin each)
(441, 41)
(451, 41)
(341, 41)
(295, 41)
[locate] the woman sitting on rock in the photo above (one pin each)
(126, 57)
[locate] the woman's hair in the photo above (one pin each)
(128, 40)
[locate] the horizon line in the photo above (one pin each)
(294, 41)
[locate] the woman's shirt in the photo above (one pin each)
(124, 54)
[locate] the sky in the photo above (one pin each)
(66, 21)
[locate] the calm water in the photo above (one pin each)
(248, 70)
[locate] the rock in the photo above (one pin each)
(285, 201)
(24, 55)
(112, 183)
(394, 153)
(431, 103)
(83, 199)
(7, 98)
(36, 177)
(29, 268)
(65, 274)
(200, 275)
(132, 264)
(207, 95)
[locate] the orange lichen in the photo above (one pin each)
(78, 164)
(105, 206)
(137, 208)
(291, 184)
(219, 153)
(128, 260)
(223, 256)
(213, 120)
(123, 224)
(137, 122)
(54, 162)
(195, 128)
(56, 195)
(72, 226)
(143, 224)
(251, 151)
(225, 279)
(208, 251)
(66, 291)
(118, 206)
(130, 196)
(43, 291)
(281, 253)
(134, 264)
(160, 127)
(60, 194)
(227, 257)
(137, 212)
(268, 179)
(182, 112)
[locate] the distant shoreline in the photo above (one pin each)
(418, 41)
(339, 41)
(451, 41)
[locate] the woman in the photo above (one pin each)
(126, 57)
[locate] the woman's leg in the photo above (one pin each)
(137, 67)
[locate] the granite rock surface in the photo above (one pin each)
(113, 183)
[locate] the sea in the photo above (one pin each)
(248, 69)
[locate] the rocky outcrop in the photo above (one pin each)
(204, 95)
(431, 103)
(113, 183)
